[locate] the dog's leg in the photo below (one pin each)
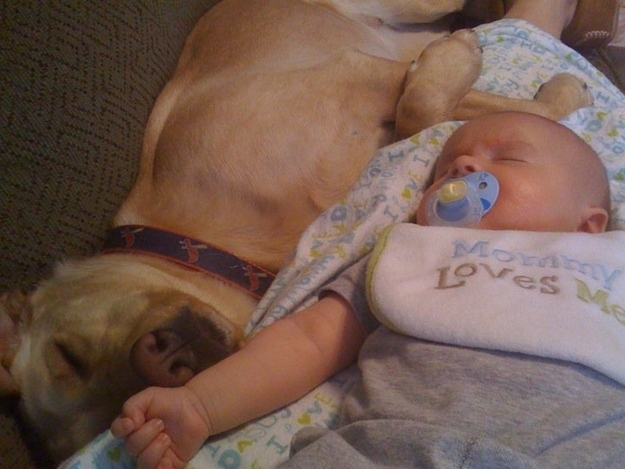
(437, 81)
(396, 11)
(555, 99)
(438, 88)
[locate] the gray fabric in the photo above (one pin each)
(350, 284)
(427, 405)
(77, 81)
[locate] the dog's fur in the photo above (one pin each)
(272, 113)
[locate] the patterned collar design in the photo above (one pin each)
(190, 253)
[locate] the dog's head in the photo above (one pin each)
(103, 328)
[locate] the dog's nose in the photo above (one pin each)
(173, 353)
(162, 358)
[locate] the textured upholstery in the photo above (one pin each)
(77, 81)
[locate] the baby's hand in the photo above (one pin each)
(162, 427)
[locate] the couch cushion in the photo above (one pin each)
(78, 82)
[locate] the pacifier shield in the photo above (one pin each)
(463, 201)
(486, 186)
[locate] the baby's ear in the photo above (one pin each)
(594, 220)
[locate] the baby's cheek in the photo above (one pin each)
(497, 219)
(421, 214)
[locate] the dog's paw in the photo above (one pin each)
(453, 62)
(437, 81)
(563, 94)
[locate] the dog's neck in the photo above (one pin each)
(191, 253)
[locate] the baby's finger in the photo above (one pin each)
(121, 427)
(144, 436)
(154, 455)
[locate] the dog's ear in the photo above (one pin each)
(15, 314)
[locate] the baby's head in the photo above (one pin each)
(549, 178)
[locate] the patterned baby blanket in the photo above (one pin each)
(518, 58)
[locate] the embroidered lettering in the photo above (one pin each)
(443, 280)
(458, 277)
(525, 282)
(581, 267)
(461, 249)
(503, 256)
(501, 274)
(550, 262)
(549, 287)
(482, 249)
(608, 280)
(619, 313)
(600, 298)
(465, 270)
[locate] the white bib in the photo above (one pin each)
(556, 295)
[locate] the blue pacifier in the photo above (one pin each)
(464, 201)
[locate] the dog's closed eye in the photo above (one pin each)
(65, 362)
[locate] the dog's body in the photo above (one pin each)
(272, 113)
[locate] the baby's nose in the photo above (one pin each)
(464, 165)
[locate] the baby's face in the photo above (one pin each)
(537, 175)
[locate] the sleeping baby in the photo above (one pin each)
(502, 338)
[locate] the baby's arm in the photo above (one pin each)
(280, 364)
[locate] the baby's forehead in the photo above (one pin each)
(506, 132)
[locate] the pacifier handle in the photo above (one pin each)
(463, 201)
